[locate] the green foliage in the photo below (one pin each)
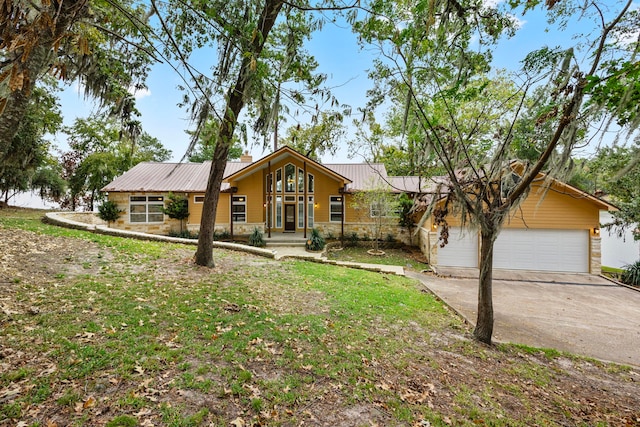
(28, 150)
(615, 172)
(315, 242)
(177, 207)
(108, 211)
(222, 235)
(353, 239)
(99, 152)
(183, 234)
(405, 214)
(122, 421)
(256, 238)
(316, 139)
(206, 144)
(631, 275)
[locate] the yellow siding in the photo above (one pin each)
(553, 209)
(356, 214)
(224, 210)
(195, 209)
(252, 187)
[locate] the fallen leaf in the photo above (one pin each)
(238, 422)
(90, 402)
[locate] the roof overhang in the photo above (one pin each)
(277, 156)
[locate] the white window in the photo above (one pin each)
(310, 207)
(300, 181)
(335, 209)
(279, 212)
(279, 180)
(146, 209)
(378, 209)
(239, 211)
(300, 211)
(290, 178)
(310, 184)
(198, 199)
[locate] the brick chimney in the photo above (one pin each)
(246, 158)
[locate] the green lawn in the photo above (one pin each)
(402, 257)
(99, 330)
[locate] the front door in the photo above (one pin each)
(290, 218)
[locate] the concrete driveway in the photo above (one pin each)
(579, 313)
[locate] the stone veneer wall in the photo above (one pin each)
(365, 229)
(595, 255)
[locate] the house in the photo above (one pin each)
(284, 192)
(556, 228)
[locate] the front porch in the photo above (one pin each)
(279, 238)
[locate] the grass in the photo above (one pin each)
(155, 340)
(391, 257)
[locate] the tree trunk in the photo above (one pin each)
(38, 60)
(235, 102)
(484, 322)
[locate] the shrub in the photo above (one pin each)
(184, 234)
(256, 238)
(222, 235)
(631, 275)
(353, 239)
(108, 211)
(177, 207)
(316, 241)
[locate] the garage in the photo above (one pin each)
(521, 249)
(461, 250)
(542, 250)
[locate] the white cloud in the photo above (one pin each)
(139, 93)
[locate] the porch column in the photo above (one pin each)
(233, 191)
(305, 203)
(342, 193)
(269, 181)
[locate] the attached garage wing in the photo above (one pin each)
(542, 250)
(461, 250)
(521, 249)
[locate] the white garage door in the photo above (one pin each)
(462, 249)
(543, 250)
(521, 249)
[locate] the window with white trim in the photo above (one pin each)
(300, 211)
(279, 180)
(310, 184)
(335, 209)
(310, 208)
(300, 181)
(379, 210)
(239, 211)
(146, 209)
(290, 178)
(198, 199)
(279, 212)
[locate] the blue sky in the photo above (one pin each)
(339, 56)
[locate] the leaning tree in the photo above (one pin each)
(436, 62)
(257, 45)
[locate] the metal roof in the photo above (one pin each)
(163, 177)
(364, 176)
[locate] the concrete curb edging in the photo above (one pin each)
(57, 218)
